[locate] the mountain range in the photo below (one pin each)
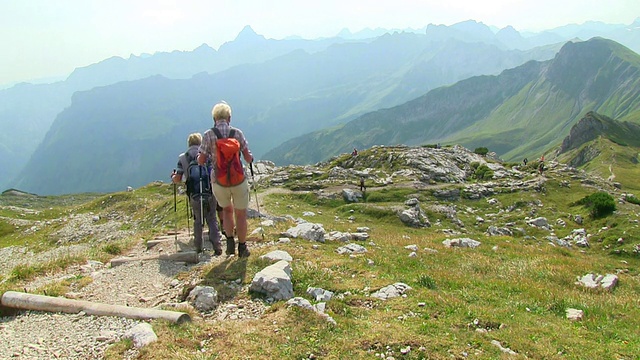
(125, 133)
(522, 112)
(23, 123)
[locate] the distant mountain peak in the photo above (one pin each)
(468, 22)
(204, 48)
(344, 33)
(247, 34)
(508, 29)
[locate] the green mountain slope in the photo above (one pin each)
(597, 75)
(605, 147)
(521, 112)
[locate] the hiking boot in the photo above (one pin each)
(231, 245)
(217, 248)
(243, 251)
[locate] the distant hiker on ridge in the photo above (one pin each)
(354, 152)
(223, 145)
(362, 187)
(201, 198)
(525, 161)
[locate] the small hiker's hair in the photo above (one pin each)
(194, 139)
(221, 111)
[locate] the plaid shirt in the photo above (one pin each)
(208, 145)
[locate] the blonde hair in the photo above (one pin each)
(221, 111)
(194, 139)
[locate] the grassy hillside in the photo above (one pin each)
(604, 147)
(511, 289)
(608, 160)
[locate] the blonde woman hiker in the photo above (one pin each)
(223, 145)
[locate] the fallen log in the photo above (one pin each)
(186, 256)
(152, 243)
(18, 300)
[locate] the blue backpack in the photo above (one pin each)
(197, 178)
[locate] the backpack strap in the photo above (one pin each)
(217, 132)
(232, 133)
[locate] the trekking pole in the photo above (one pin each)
(255, 191)
(201, 207)
(188, 214)
(175, 209)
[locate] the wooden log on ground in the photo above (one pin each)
(186, 256)
(18, 300)
(152, 243)
(167, 237)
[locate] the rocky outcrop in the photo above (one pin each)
(309, 231)
(274, 281)
(391, 291)
(585, 155)
(593, 281)
(204, 298)
(587, 129)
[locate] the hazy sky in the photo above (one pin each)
(46, 38)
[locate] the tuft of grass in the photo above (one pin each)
(6, 228)
(118, 349)
(112, 249)
(426, 282)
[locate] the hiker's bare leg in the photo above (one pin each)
(227, 221)
(241, 228)
(221, 218)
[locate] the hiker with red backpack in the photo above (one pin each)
(199, 192)
(223, 145)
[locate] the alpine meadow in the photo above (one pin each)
(450, 192)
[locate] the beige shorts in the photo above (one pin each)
(238, 195)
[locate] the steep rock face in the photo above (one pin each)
(584, 156)
(587, 129)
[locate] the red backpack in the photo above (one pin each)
(228, 170)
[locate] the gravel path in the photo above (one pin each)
(149, 283)
(35, 335)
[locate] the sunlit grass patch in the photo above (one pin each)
(24, 272)
(62, 287)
